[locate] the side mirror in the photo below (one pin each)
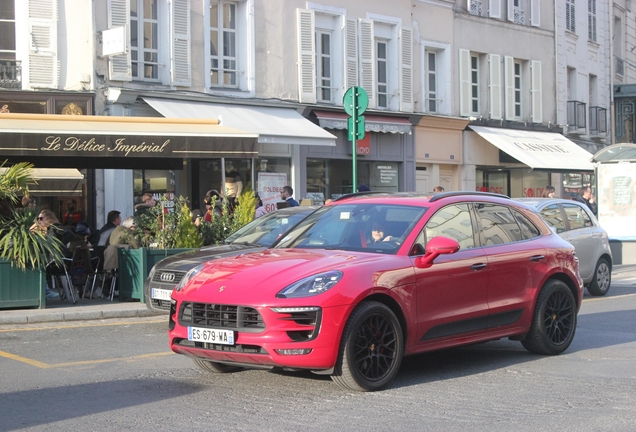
(435, 247)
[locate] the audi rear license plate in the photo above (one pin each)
(161, 294)
(223, 337)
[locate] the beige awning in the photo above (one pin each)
(56, 182)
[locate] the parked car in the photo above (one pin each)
(257, 235)
(369, 278)
(574, 222)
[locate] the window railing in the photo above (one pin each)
(620, 66)
(432, 105)
(475, 7)
(576, 115)
(598, 120)
(518, 15)
(10, 74)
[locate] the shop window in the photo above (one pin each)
(159, 183)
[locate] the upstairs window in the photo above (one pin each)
(517, 89)
(7, 30)
(324, 72)
(383, 73)
(474, 84)
(144, 40)
(431, 82)
(570, 16)
(223, 44)
(591, 20)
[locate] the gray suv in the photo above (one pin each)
(574, 222)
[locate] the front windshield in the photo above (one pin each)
(355, 227)
(266, 229)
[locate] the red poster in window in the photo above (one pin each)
(363, 147)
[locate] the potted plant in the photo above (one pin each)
(24, 254)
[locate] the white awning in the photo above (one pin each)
(538, 150)
(273, 125)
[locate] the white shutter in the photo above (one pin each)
(535, 12)
(464, 83)
(43, 71)
(494, 8)
(537, 101)
(351, 54)
(367, 59)
(120, 66)
(180, 43)
(306, 56)
(511, 10)
(509, 75)
(495, 86)
(406, 69)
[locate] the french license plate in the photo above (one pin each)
(223, 337)
(161, 294)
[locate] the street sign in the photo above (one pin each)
(355, 102)
(355, 99)
(359, 128)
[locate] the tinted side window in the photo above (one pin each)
(498, 224)
(552, 215)
(577, 217)
(528, 230)
(452, 221)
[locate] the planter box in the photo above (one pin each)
(21, 289)
(134, 267)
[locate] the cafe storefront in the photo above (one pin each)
(154, 147)
(521, 163)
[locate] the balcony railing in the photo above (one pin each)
(576, 115)
(519, 15)
(10, 74)
(475, 7)
(598, 120)
(620, 66)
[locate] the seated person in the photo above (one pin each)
(378, 234)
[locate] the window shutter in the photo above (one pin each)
(464, 83)
(495, 86)
(120, 66)
(306, 56)
(367, 59)
(537, 101)
(494, 11)
(511, 10)
(406, 69)
(509, 75)
(535, 12)
(43, 63)
(351, 54)
(180, 41)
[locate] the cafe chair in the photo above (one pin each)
(59, 272)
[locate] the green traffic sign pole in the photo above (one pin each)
(355, 102)
(354, 132)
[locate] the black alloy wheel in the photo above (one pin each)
(371, 349)
(553, 321)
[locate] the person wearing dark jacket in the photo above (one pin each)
(587, 197)
(113, 220)
(286, 195)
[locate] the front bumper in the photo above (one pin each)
(263, 347)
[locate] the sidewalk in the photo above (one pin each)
(623, 280)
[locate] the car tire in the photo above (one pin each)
(553, 321)
(210, 366)
(371, 348)
(600, 284)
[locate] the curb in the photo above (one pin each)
(76, 316)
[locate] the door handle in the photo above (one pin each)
(477, 266)
(536, 258)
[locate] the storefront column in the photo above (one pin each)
(468, 180)
(118, 192)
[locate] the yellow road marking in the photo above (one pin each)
(81, 325)
(42, 365)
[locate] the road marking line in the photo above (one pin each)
(607, 298)
(80, 326)
(42, 365)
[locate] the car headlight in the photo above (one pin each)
(189, 275)
(312, 285)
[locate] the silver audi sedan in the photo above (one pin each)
(574, 222)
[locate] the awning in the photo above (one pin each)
(372, 122)
(33, 135)
(538, 150)
(56, 182)
(273, 125)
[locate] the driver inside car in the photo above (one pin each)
(378, 233)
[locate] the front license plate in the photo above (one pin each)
(223, 337)
(161, 294)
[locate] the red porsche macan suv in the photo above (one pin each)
(372, 277)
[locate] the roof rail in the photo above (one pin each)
(358, 194)
(441, 195)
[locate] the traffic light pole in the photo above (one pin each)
(355, 102)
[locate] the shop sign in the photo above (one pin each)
(384, 176)
(270, 185)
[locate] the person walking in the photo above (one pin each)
(587, 197)
(286, 195)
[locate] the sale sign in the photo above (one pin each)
(270, 185)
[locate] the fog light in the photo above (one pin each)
(296, 351)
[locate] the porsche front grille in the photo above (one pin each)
(241, 318)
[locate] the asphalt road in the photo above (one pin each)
(116, 375)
